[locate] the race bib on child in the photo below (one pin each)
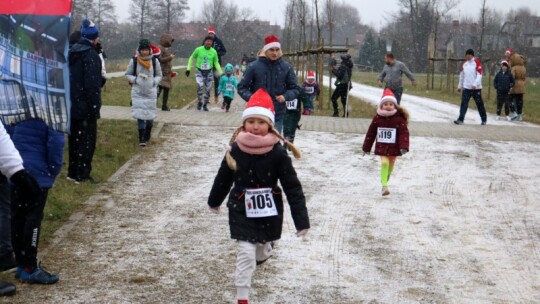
(386, 135)
(229, 87)
(309, 90)
(260, 203)
(205, 66)
(292, 104)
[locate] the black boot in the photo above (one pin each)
(147, 133)
(142, 138)
(336, 114)
(7, 289)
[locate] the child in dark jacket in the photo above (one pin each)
(42, 150)
(389, 129)
(255, 164)
(293, 115)
(503, 82)
(311, 88)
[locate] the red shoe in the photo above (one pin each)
(242, 301)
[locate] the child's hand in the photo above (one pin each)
(403, 151)
(302, 233)
(214, 210)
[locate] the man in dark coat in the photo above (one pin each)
(220, 49)
(85, 91)
(343, 77)
(273, 74)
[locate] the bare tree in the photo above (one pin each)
(169, 12)
(141, 13)
(316, 5)
(329, 18)
(483, 26)
(215, 12)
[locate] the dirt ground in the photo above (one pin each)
(462, 225)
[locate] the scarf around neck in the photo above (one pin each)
(144, 61)
(256, 144)
(385, 113)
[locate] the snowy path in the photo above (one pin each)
(462, 225)
(424, 109)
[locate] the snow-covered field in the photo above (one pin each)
(462, 225)
(424, 109)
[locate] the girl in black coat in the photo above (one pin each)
(255, 163)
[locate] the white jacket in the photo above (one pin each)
(10, 159)
(471, 75)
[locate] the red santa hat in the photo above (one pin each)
(388, 95)
(310, 75)
(212, 30)
(505, 62)
(156, 51)
(271, 42)
(260, 105)
(508, 52)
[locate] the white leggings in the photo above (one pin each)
(246, 262)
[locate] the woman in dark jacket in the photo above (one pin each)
(389, 129)
(343, 77)
(254, 165)
(42, 150)
(275, 75)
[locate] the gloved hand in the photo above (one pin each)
(26, 185)
(187, 73)
(302, 233)
(214, 210)
(403, 151)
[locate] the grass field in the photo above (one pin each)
(531, 100)
(117, 143)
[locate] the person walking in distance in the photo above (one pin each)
(166, 58)
(503, 82)
(206, 59)
(218, 45)
(391, 75)
(85, 89)
(343, 78)
(470, 85)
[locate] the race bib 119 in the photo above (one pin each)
(386, 135)
(260, 203)
(292, 104)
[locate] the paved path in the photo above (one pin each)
(216, 117)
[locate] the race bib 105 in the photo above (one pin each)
(260, 203)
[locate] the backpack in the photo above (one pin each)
(134, 58)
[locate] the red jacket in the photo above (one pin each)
(391, 134)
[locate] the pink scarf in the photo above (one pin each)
(384, 113)
(256, 144)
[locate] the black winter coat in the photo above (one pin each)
(277, 77)
(344, 72)
(259, 171)
(85, 81)
(503, 82)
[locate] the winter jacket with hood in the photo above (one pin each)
(259, 171)
(144, 89)
(227, 84)
(85, 80)
(276, 77)
(503, 82)
(166, 60)
(41, 149)
(397, 122)
(344, 72)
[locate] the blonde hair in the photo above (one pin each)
(403, 113)
(231, 162)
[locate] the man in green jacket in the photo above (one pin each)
(206, 59)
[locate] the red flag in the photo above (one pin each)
(35, 7)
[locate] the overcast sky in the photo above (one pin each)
(374, 13)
